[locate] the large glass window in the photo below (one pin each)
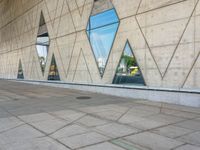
(53, 70)
(43, 42)
(20, 74)
(101, 31)
(128, 71)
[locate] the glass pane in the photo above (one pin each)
(20, 74)
(53, 71)
(42, 54)
(102, 19)
(43, 42)
(101, 31)
(128, 71)
(101, 40)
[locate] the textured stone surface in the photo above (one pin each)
(18, 134)
(9, 123)
(35, 144)
(188, 147)
(103, 146)
(163, 34)
(83, 140)
(190, 124)
(172, 131)
(193, 138)
(153, 141)
(116, 130)
(48, 118)
(69, 131)
(91, 121)
(50, 126)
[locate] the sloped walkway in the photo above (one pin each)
(36, 117)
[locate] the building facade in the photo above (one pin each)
(145, 43)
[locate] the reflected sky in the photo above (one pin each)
(127, 50)
(101, 31)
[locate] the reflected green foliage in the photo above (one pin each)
(128, 71)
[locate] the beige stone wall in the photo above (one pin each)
(164, 35)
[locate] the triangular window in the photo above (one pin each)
(20, 74)
(128, 71)
(53, 70)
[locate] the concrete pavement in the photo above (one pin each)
(34, 117)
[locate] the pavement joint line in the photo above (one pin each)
(92, 129)
(90, 145)
(192, 131)
(71, 123)
(46, 135)
(184, 119)
(179, 146)
(12, 128)
(124, 113)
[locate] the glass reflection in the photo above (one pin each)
(42, 43)
(128, 71)
(53, 71)
(20, 74)
(42, 50)
(101, 32)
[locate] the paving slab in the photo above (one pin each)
(109, 115)
(83, 140)
(9, 123)
(35, 144)
(21, 133)
(69, 130)
(188, 147)
(102, 122)
(91, 121)
(36, 117)
(190, 124)
(154, 141)
(50, 126)
(115, 130)
(168, 119)
(69, 115)
(103, 146)
(146, 124)
(182, 114)
(128, 145)
(192, 138)
(171, 131)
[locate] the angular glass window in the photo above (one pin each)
(128, 71)
(42, 44)
(101, 30)
(20, 74)
(53, 71)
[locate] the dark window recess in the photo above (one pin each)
(20, 74)
(53, 70)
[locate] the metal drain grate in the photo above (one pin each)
(83, 97)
